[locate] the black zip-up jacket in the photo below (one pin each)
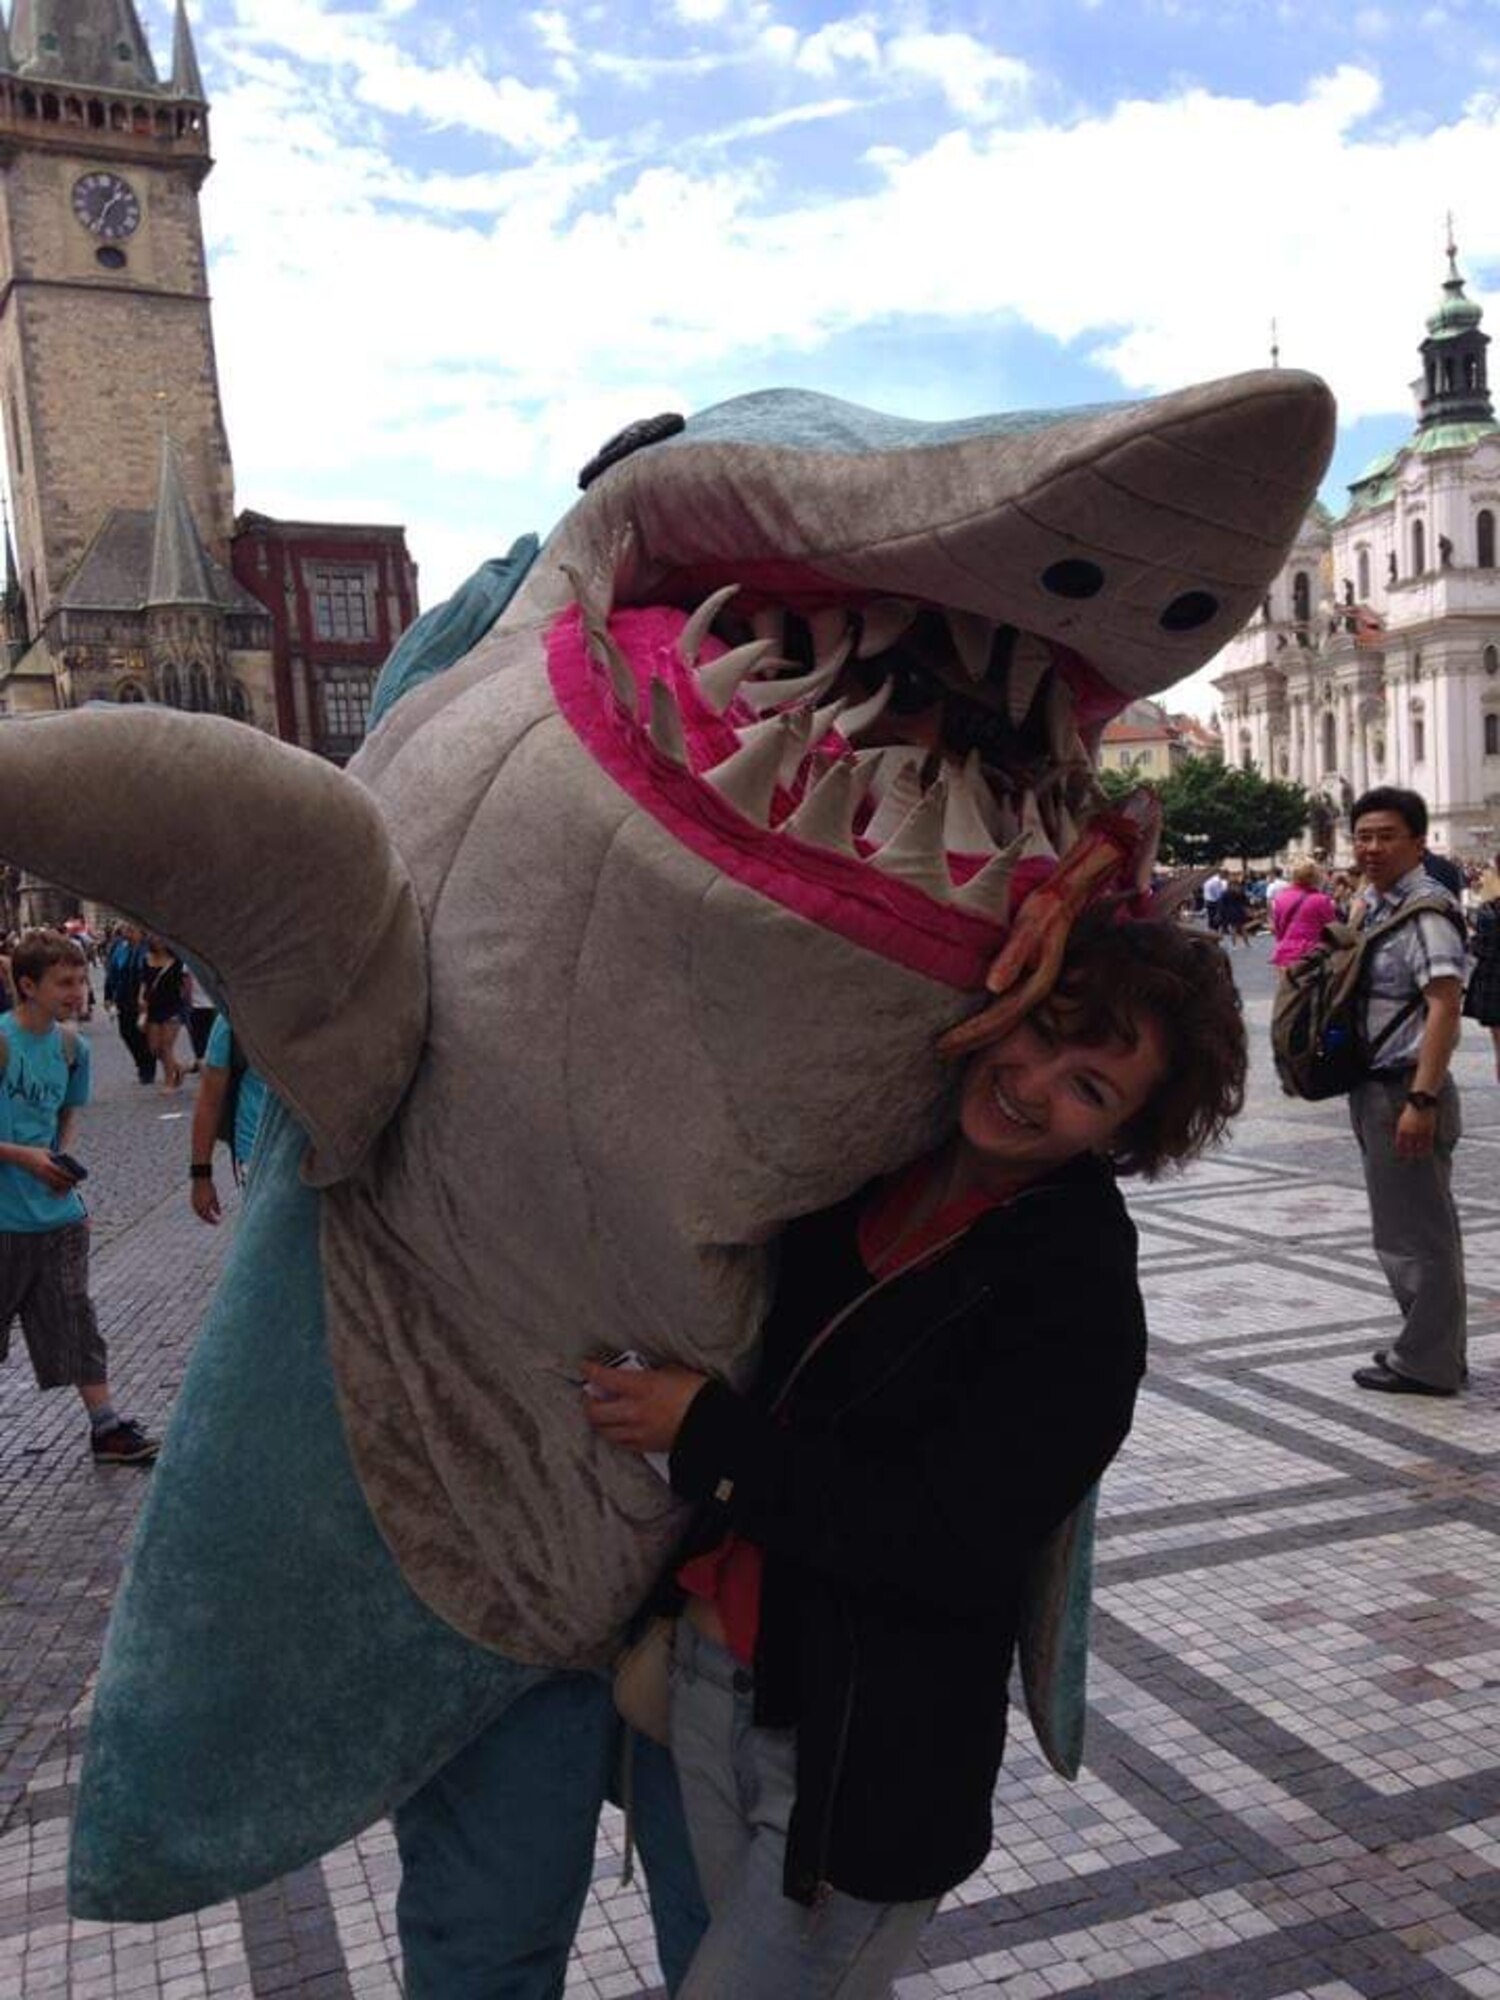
(899, 1492)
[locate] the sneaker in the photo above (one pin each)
(125, 1444)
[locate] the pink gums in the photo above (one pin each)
(832, 890)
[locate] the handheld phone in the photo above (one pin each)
(74, 1169)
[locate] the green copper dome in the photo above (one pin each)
(1455, 314)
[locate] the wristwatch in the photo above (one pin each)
(1422, 1100)
(206, 1172)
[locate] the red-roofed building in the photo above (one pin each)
(1147, 742)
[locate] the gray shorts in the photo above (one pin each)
(44, 1280)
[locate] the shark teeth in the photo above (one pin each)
(748, 778)
(987, 894)
(765, 695)
(915, 853)
(664, 723)
(695, 631)
(973, 638)
(863, 713)
(967, 828)
(826, 816)
(882, 623)
(1034, 830)
(720, 680)
(1029, 661)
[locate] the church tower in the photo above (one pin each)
(106, 342)
(1454, 388)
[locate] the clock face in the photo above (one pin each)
(107, 205)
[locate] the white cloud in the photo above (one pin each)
(973, 78)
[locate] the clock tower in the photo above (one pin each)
(106, 340)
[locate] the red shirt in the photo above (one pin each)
(728, 1576)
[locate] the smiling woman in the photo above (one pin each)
(950, 1363)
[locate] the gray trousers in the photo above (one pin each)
(738, 1787)
(1416, 1230)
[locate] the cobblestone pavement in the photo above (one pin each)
(1293, 1783)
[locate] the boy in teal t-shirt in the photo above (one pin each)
(44, 1233)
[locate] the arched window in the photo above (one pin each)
(239, 702)
(1490, 658)
(1362, 576)
(1471, 372)
(1330, 740)
(1418, 548)
(1447, 371)
(1492, 735)
(1245, 749)
(198, 690)
(171, 687)
(1484, 539)
(129, 691)
(1418, 740)
(1301, 597)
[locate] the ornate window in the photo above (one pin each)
(130, 691)
(1490, 659)
(1330, 740)
(1301, 597)
(199, 695)
(1362, 575)
(171, 687)
(1484, 539)
(1418, 548)
(346, 707)
(342, 610)
(1418, 740)
(1492, 734)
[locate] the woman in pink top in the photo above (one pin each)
(1299, 914)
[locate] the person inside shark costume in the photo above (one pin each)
(624, 940)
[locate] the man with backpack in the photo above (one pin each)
(44, 1231)
(231, 1097)
(1405, 1109)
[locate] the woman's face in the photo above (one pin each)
(1032, 1101)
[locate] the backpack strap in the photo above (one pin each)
(69, 1043)
(1438, 906)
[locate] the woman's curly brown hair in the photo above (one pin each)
(1116, 976)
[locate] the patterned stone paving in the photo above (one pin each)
(1293, 1785)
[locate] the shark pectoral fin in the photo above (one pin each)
(270, 1685)
(270, 867)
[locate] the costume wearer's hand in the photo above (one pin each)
(1415, 1132)
(205, 1197)
(39, 1163)
(641, 1410)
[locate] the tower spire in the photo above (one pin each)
(179, 565)
(1455, 385)
(7, 60)
(187, 78)
(1275, 346)
(98, 42)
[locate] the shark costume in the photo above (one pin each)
(624, 939)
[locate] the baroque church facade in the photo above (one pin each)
(1375, 658)
(129, 576)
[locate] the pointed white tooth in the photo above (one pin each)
(1007, 825)
(1033, 831)
(965, 828)
(1029, 660)
(825, 718)
(792, 730)
(692, 635)
(718, 681)
(665, 723)
(972, 638)
(826, 816)
(605, 653)
(863, 713)
(895, 787)
(770, 623)
(832, 635)
(1067, 830)
(1058, 714)
(987, 894)
(749, 777)
(915, 852)
(764, 695)
(882, 623)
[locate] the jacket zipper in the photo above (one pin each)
(822, 1887)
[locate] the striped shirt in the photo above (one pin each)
(1402, 966)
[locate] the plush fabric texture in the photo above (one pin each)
(269, 1685)
(561, 1077)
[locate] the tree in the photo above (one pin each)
(1210, 810)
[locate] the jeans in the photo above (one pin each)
(497, 1850)
(739, 1785)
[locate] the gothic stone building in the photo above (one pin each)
(130, 578)
(1376, 655)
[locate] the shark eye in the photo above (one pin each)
(1073, 578)
(1188, 612)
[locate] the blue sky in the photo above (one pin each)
(454, 246)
